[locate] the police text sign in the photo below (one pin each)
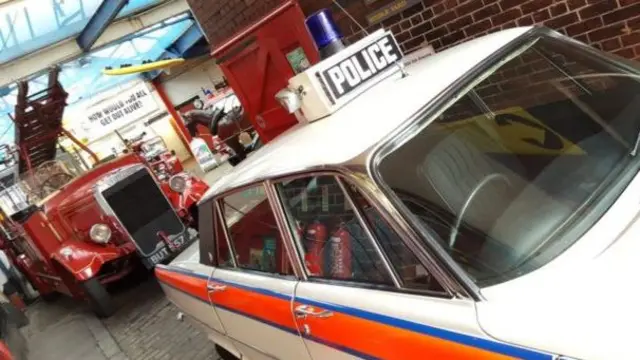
(364, 65)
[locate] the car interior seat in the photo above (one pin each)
(516, 216)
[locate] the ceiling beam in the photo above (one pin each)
(64, 51)
(104, 15)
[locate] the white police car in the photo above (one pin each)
(482, 204)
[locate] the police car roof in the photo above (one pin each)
(365, 121)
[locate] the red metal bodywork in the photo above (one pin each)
(57, 252)
(256, 67)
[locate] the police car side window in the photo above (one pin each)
(333, 240)
(253, 233)
(208, 239)
(411, 272)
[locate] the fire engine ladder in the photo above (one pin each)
(38, 120)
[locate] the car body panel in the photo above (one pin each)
(560, 309)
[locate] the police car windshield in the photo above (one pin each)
(511, 174)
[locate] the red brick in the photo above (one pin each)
(558, 9)
(631, 39)
(450, 4)
(562, 21)
(469, 7)
(611, 44)
(413, 43)
(575, 4)
(509, 25)
(403, 36)
(525, 21)
(507, 4)
(597, 9)
(486, 12)
(478, 28)
(443, 18)
(438, 9)
(425, 27)
(624, 3)
(433, 34)
(416, 20)
(535, 5)
(427, 14)
(460, 23)
(622, 14)
(405, 24)
(604, 33)
(453, 38)
(541, 16)
(584, 26)
(626, 52)
(415, 9)
(505, 16)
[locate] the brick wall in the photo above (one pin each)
(610, 25)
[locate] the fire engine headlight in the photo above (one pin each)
(100, 233)
(178, 183)
(289, 100)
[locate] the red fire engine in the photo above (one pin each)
(73, 233)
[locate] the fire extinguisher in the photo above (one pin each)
(315, 238)
(341, 253)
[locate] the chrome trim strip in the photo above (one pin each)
(225, 231)
(367, 229)
(283, 224)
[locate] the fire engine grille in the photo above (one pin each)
(143, 209)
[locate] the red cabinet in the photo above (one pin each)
(259, 61)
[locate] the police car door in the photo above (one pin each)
(187, 279)
(367, 295)
(254, 284)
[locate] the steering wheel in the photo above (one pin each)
(487, 179)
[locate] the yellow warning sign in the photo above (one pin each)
(514, 130)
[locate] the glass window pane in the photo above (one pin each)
(254, 233)
(513, 173)
(412, 273)
(334, 242)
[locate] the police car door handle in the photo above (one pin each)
(214, 287)
(303, 311)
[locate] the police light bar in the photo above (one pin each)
(327, 86)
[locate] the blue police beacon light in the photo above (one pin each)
(325, 33)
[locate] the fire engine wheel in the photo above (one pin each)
(224, 354)
(100, 300)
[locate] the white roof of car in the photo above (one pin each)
(365, 121)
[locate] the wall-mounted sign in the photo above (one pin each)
(298, 60)
(389, 10)
(113, 112)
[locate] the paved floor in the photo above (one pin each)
(144, 328)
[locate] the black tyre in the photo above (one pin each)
(100, 300)
(224, 354)
(234, 160)
(50, 297)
